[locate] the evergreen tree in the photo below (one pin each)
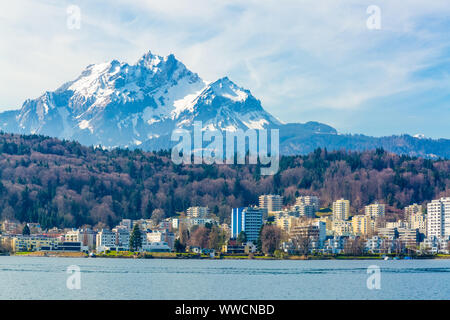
(26, 230)
(135, 238)
(178, 246)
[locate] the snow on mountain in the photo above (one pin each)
(112, 103)
(118, 104)
(222, 105)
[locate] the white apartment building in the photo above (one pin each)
(126, 223)
(105, 239)
(409, 237)
(307, 206)
(285, 222)
(197, 212)
(418, 221)
(375, 210)
(362, 225)
(396, 224)
(271, 202)
(341, 209)
(199, 221)
(412, 210)
(387, 233)
(342, 227)
(175, 223)
(123, 239)
(86, 237)
(438, 219)
(160, 236)
(306, 210)
(308, 200)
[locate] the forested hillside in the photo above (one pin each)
(64, 184)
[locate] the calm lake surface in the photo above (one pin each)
(45, 278)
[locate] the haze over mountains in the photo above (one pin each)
(116, 104)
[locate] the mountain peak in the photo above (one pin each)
(152, 61)
(226, 88)
(119, 104)
(149, 57)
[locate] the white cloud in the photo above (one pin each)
(296, 56)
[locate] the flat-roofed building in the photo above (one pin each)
(271, 202)
(375, 210)
(105, 239)
(307, 205)
(409, 237)
(438, 218)
(197, 212)
(86, 237)
(248, 220)
(341, 209)
(32, 243)
(362, 225)
(286, 222)
(418, 221)
(388, 233)
(342, 228)
(412, 210)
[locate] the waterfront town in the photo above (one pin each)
(267, 228)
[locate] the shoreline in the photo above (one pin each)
(183, 256)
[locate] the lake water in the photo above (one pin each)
(45, 278)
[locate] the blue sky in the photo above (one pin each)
(304, 61)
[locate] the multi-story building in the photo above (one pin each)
(375, 244)
(362, 225)
(388, 233)
(307, 206)
(175, 223)
(341, 209)
(412, 210)
(190, 222)
(306, 210)
(418, 221)
(105, 239)
(32, 243)
(87, 237)
(161, 236)
(285, 222)
(375, 210)
(334, 245)
(249, 220)
(126, 224)
(342, 227)
(438, 218)
(435, 245)
(197, 212)
(315, 230)
(308, 200)
(396, 224)
(271, 202)
(408, 237)
(11, 227)
(123, 239)
(328, 220)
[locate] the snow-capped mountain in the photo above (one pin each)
(117, 104)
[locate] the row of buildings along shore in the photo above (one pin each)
(304, 225)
